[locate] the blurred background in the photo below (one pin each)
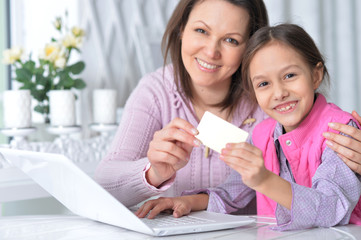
(122, 44)
(123, 38)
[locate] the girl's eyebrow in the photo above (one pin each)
(257, 77)
(260, 76)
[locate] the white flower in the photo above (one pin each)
(58, 23)
(72, 41)
(78, 32)
(51, 52)
(60, 62)
(12, 55)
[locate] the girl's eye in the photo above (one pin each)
(200, 30)
(290, 75)
(233, 41)
(262, 84)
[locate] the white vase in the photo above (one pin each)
(17, 108)
(62, 108)
(104, 106)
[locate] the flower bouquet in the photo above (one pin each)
(52, 70)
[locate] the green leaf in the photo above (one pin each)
(68, 82)
(40, 108)
(39, 70)
(79, 83)
(23, 75)
(40, 79)
(28, 85)
(39, 94)
(77, 67)
(30, 65)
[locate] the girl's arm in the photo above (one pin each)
(277, 189)
(349, 149)
(248, 161)
(330, 201)
(230, 197)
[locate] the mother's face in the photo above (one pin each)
(213, 42)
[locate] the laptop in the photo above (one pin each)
(77, 191)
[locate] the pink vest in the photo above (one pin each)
(302, 147)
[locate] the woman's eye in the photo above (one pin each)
(200, 30)
(233, 41)
(262, 84)
(290, 75)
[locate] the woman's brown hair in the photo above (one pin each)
(171, 44)
(290, 34)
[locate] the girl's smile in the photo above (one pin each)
(286, 107)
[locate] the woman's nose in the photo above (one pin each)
(213, 50)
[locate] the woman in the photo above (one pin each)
(155, 151)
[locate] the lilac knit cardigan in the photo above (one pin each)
(152, 105)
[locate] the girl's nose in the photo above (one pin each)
(280, 92)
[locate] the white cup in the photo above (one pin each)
(17, 108)
(104, 106)
(62, 108)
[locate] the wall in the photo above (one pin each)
(3, 68)
(335, 25)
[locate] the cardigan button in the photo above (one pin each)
(288, 142)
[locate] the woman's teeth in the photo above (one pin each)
(206, 65)
(283, 109)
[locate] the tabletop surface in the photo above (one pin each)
(68, 227)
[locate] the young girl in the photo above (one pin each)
(286, 163)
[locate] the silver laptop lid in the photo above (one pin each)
(59, 176)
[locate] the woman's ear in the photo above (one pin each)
(318, 75)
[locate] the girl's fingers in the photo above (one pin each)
(238, 164)
(244, 150)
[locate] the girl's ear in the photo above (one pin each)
(317, 75)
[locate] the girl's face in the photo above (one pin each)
(213, 42)
(284, 83)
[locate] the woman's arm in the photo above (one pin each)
(179, 205)
(121, 171)
(348, 149)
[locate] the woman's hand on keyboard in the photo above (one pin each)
(180, 205)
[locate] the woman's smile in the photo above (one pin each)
(205, 66)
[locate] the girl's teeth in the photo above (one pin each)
(206, 65)
(286, 108)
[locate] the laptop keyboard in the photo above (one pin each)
(163, 220)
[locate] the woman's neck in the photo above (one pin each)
(204, 99)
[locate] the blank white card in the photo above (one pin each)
(215, 133)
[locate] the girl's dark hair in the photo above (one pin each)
(171, 44)
(290, 34)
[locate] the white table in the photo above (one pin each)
(56, 227)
